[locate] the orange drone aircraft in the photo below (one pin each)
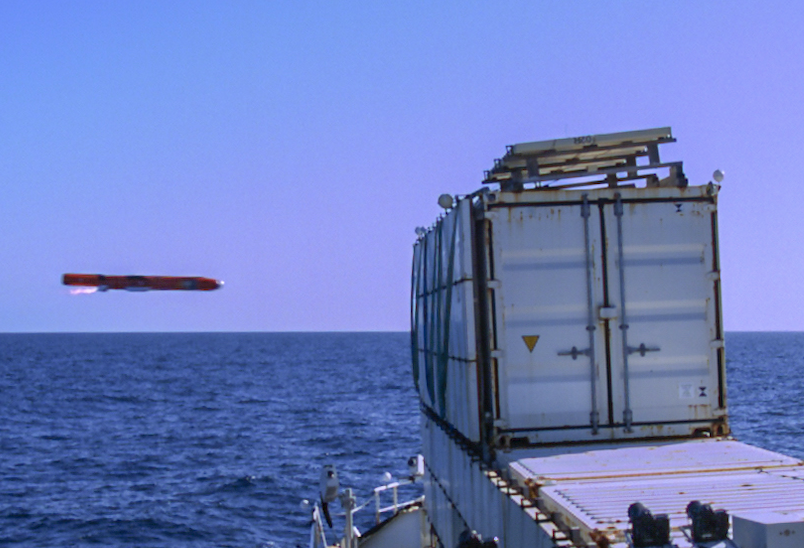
(142, 283)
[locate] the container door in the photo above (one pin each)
(546, 277)
(664, 342)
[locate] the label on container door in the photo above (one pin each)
(686, 391)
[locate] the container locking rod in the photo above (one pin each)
(590, 324)
(628, 415)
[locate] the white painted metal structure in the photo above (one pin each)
(619, 287)
(400, 525)
(578, 496)
(582, 311)
(568, 352)
(443, 323)
(592, 489)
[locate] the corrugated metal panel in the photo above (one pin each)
(592, 490)
(590, 462)
(461, 493)
(539, 257)
(667, 255)
(443, 320)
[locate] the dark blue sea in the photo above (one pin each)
(213, 440)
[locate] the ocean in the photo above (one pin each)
(214, 439)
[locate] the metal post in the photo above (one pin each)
(618, 212)
(317, 536)
(348, 502)
(594, 416)
(314, 529)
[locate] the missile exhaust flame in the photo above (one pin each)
(83, 290)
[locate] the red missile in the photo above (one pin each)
(142, 283)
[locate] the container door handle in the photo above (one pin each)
(642, 349)
(575, 352)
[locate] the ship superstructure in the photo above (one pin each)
(568, 352)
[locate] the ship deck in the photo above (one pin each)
(591, 488)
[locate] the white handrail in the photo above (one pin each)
(394, 487)
(317, 537)
(317, 532)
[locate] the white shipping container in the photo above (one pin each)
(579, 312)
(569, 350)
(629, 338)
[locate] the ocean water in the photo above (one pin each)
(765, 377)
(214, 439)
(193, 439)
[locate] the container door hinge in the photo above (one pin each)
(490, 215)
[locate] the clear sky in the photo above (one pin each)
(291, 147)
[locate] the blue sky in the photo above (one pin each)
(290, 148)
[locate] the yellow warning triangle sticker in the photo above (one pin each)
(530, 340)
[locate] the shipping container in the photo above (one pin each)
(568, 354)
(576, 298)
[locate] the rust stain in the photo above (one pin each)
(600, 538)
(533, 488)
(699, 411)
